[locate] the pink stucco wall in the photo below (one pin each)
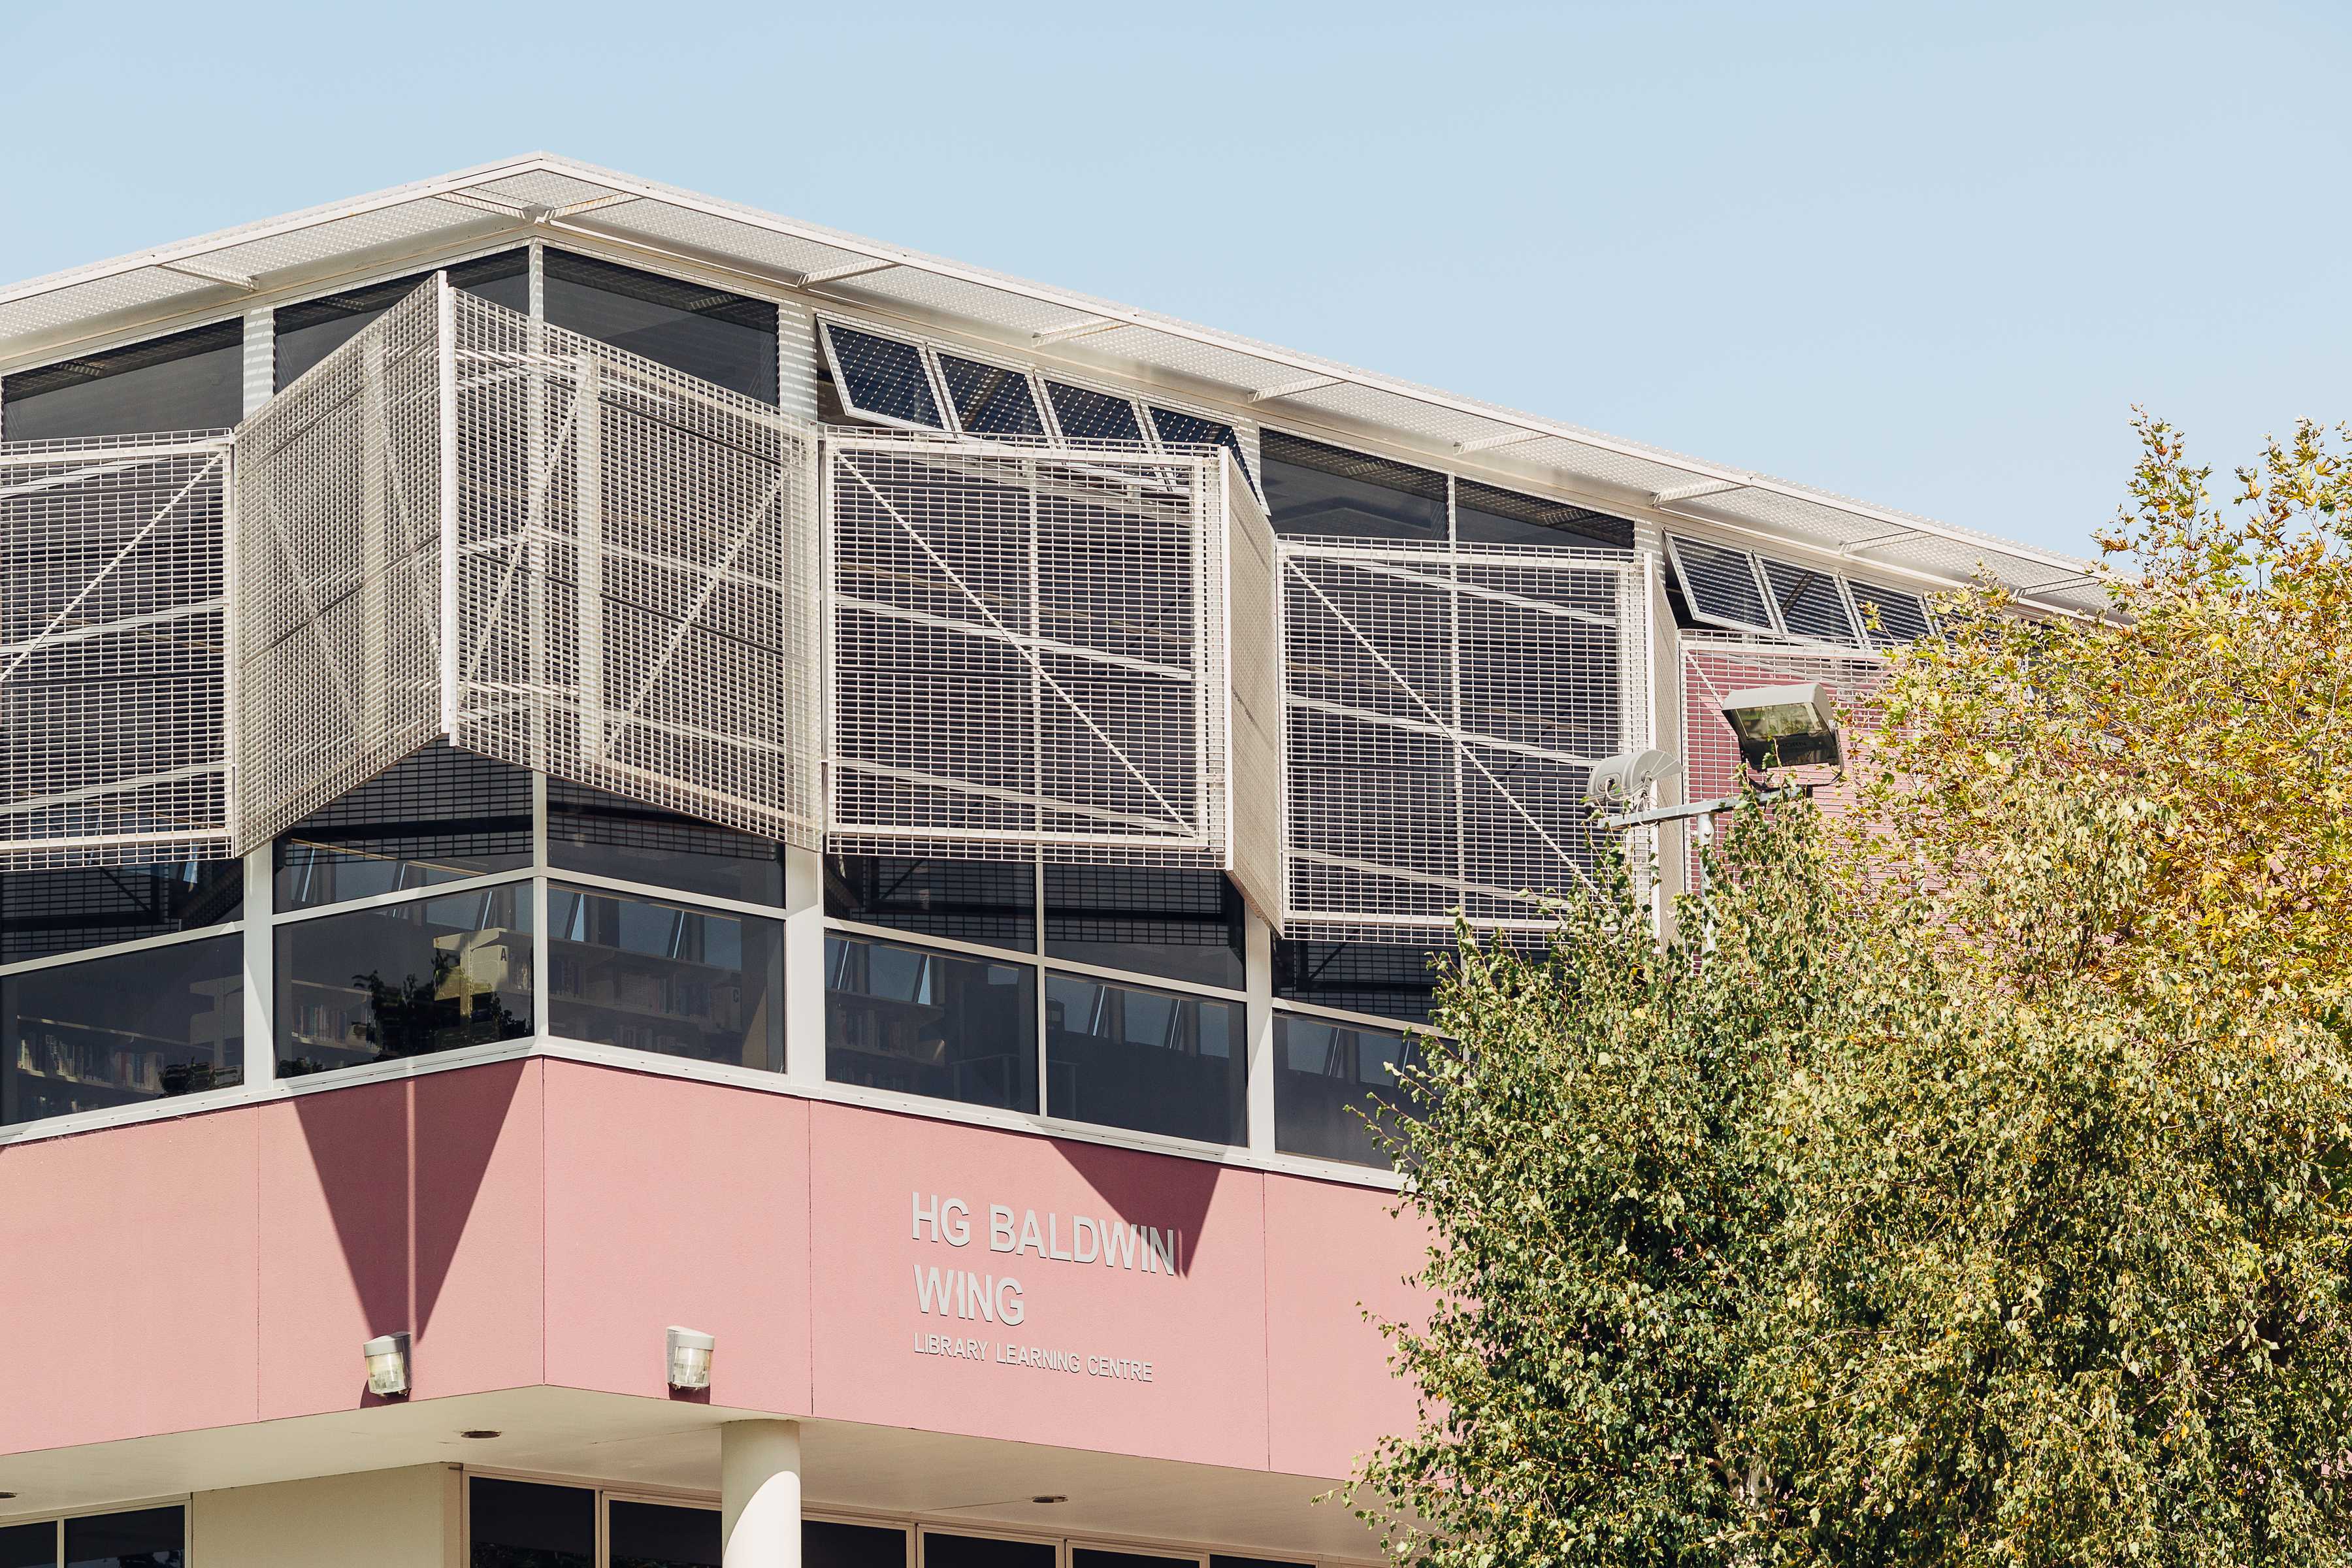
(543, 1221)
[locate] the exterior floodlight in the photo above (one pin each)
(689, 1358)
(1787, 726)
(387, 1365)
(1618, 782)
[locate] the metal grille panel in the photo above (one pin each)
(1714, 668)
(1029, 649)
(113, 748)
(339, 571)
(637, 577)
(1444, 708)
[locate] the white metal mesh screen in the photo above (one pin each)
(113, 748)
(1715, 667)
(1444, 710)
(339, 563)
(636, 583)
(1026, 650)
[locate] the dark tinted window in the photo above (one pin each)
(1095, 1557)
(404, 980)
(1484, 515)
(1314, 489)
(1180, 925)
(1327, 1078)
(930, 1023)
(883, 378)
(707, 332)
(32, 1546)
(518, 1524)
(979, 1551)
(1088, 415)
(605, 835)
(990, 901)
(828, 1545)
(1153, 1061)
(148, 1538)
(1178, 429)
(1387, 979)
(991, 401)
(45, 913)
(1220, 1560)
(122, 1030)
(662, 977)
(189, 381)
(307, 332)
(439, 814)
(649, 1535)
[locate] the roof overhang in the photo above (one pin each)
(47, 318)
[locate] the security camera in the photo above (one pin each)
(1618, 782)
(1785, 726)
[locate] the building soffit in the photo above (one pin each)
(558, 198)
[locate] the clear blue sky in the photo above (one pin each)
(1928, 256)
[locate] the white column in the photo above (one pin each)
(760, 1494)
(1260, 972)
(804, 966)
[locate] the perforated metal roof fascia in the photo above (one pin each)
(558, 196)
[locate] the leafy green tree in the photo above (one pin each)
(1967, 1184)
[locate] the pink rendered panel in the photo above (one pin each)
(671, 1202)
(481, 1218)
(1332, 1252)
(126, 1283)
(1201, 1328)
(334, 1255)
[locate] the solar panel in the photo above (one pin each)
(1902, 617)
(1721, 584)
(881, 378)
(1181, 429)
(1811, 604)
(991, 400)
(1089, 415)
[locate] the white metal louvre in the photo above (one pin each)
(1444, 708)
(1028, 647)
(113, 748)
(637, 577)
(1254, 671)
(339, 571)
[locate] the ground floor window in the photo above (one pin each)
(139, 1537)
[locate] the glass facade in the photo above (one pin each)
(656, 1535)
(604, 835)
(1330, 1078)
(1150, 1061)
(707, 332)
(438, 815)
(43, 913)
(306, 332)
(1176, 925)
(29, 1545)
(404, 980)
(666, 978)
(990, 902)
(523, 1524)
(824, 1545)
(145, 1538)
(1099, 1557)
(188, 381)
(944, 1550)
(1388, 980)
(930, 1023)
(141, 1026)
(1322, 491)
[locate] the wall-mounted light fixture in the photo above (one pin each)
(1785, 726)
(387, 1365)
(689, 1358)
